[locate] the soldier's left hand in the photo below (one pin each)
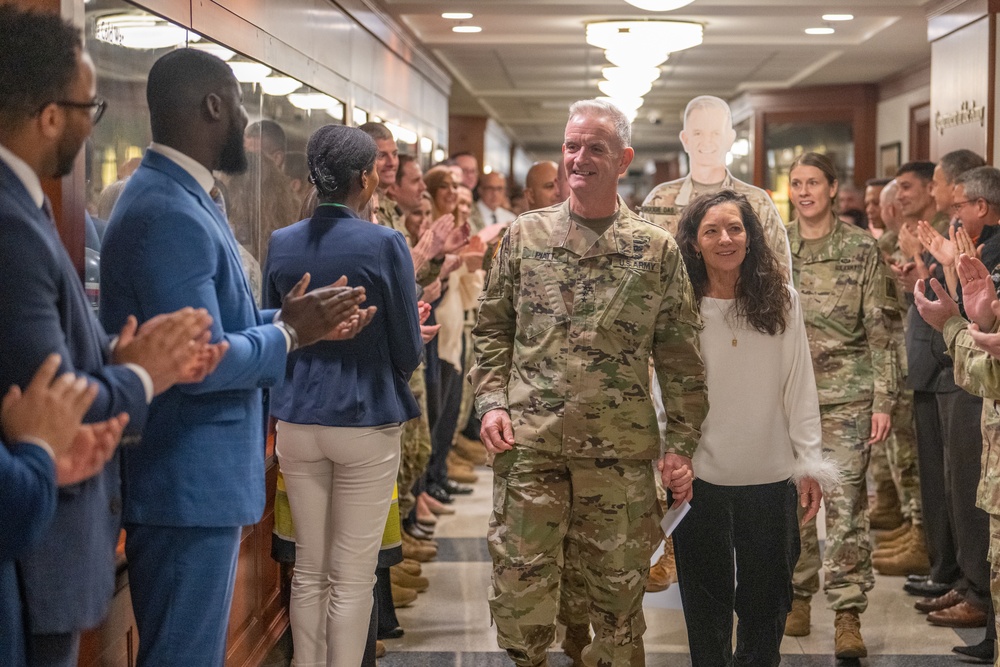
(881, 426)
(810, 495)
(935, 313)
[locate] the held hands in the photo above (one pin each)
(881, 427)
(978, 293)
(810, 495)
(174, 348)
(51, 410)
(935, 313)
(496, 431)
(677, 474)
(317, 314)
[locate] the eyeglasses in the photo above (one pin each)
(957, 206)
(96, 108)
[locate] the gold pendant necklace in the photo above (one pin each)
(725, 318)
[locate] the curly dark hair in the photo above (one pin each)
(762, 298)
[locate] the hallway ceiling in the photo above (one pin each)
(531, 60)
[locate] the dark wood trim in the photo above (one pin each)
(947, 17)
(916, 111)
(991, 79)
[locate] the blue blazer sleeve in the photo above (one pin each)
(44, 311)
(177, 265)
(28, 495)
(402, 315)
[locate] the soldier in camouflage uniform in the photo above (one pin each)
(707, 136)
(854, 329)
(578, 297)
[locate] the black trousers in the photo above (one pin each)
(960, 414)
(443, 428)
(935, 507)
(758, 525)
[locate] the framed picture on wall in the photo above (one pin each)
(888, 159)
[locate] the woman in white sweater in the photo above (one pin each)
(760, 450)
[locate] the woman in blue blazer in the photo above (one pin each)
(342, 401)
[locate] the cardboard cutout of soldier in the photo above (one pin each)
(707, 136)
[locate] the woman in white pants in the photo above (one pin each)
(342, 400)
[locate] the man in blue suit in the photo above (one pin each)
(199, 476)
(47, 109)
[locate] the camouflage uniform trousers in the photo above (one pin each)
(608, 510)
(847, 556)
(415, 445)
(994, 558)
(895, 459)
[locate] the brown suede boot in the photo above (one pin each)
(798, 620)
(912, 559)
(663, 573)
(886, 514)
(460, 470)
(885, 536)
(402, 597)
(401, 578)
(473, 451)
(577, 638)
(847, 641)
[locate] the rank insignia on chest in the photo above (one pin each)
(639, 245)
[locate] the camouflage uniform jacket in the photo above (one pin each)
(979, 374)
(565, 335)
(852, 319)
(665, 205)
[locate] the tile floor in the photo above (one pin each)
(449, 626)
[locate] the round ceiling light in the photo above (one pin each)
(141, 31)
(624, 88)
(457, 16)
(657, 35)
(280, 86)
(631, 74)
(838, 17)
(247, 72)
(638, 55)
(820, 31)
(659, 5)
(313, 101)
(467, 29)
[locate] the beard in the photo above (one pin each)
(66, 152)
(233, 159)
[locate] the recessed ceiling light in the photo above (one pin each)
(819, 31)
(457, 16)
(838, 17)
(467, 28)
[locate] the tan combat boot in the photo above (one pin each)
(885, 536)
(894, 548)
(663, 573)
(402, 597)
(577, 638)
(414, 550)
(900, 539)
(847, 642)
(410, 566)
(401, 578)
(886, 514)
(913, 559)
(379, 648)
(460, 470)
(798, 619)
(472, 450)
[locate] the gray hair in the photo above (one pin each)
(708, 102)
(982, 183)
(621, 123)
(956, 163)
(888, 194)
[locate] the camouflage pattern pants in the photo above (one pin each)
(994, 558)
(847, 556)
(415, 444)
(896, 459)
(607, 510)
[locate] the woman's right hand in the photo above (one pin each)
(810, 496)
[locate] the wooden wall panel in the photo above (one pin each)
(961, 99)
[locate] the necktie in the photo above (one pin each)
(47, 210)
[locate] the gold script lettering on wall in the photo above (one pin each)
(969, 113)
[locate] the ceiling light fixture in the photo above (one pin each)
(216, 50)
(312, 101)
(247, 72)
(279, 86)
(637, 55)
(626, 104)
(624, 88)
(659, 5)
(467, 29)
(141, 31)
(659, 35)
(631, 74)
(838, 17)
(457, 16)
(820, 31)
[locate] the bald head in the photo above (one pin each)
(541, 188)
(888, 207)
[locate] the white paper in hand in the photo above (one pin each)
(673, 516)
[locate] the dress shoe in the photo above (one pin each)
(949, 599)
(439, 494)
(798, 619)
(394, 633)
(663, 573)
(926, 588)
(434, 505)
(961, 615)
(577, 639)
(416, 583)
(917, 578)
(981, 653)
(454, 489)
(847, 641)
(402, 597)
